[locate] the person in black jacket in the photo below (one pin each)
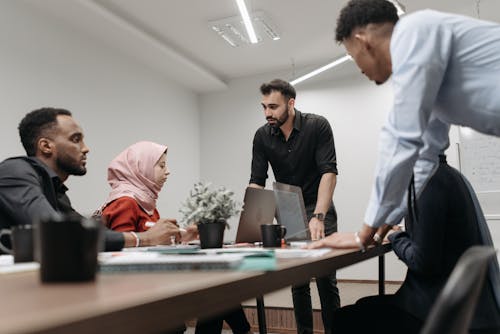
(440, 226)
(32, 186)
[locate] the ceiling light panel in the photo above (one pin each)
(247, 21)
(232, 29)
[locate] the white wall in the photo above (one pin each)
(43, 62)
(355, 109)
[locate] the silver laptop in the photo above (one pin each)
(291, 211)
(258, 208)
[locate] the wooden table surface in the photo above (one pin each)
(149, 302)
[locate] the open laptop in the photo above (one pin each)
(291, 211)
(258, 208)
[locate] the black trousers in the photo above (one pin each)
(375, 314)
(327, 288)
(236, 319)
(379, 314)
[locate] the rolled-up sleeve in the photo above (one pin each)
(260, 163)
(326, 158)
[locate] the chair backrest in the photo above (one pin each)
(454, 308)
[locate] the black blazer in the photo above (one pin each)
(30, 190)
(447, 225)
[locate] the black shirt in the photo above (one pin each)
(29, 190)
(301, 160)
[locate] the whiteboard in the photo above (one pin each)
(479, 156)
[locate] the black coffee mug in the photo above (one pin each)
(67, 247)
(272, 234)
(21, 240)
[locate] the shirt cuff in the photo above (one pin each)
(260, 181)
(328, 168)
(113, 241)
(395, 235)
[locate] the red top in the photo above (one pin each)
(125, 215)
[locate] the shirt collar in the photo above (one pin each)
(297, 124)
(56, 180)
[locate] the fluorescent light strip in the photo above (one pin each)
(401, 11)
(246, 20)
(321, 69)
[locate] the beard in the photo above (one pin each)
(70, 166)
(280, 120)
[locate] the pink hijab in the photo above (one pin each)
(131, 174)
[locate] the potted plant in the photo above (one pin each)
(209, 209)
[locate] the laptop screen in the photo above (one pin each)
(258, 208)
(291, 211)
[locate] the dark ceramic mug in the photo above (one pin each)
(21, 240)
(67, 248)
(272, 234)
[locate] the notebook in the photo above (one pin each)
(258, 208)
(155, 261)
(166, 249)
(291, 211)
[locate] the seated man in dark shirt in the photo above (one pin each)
(32, 186)
(441, 225)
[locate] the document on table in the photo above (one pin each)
(7, 265)
(290, 253)
(163, 259)
(165, 249)
(156, 261)
(282, 253)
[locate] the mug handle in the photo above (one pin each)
(2, 247)
(283, 231)
(90, 232)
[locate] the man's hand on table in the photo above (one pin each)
(363, 239)
(317, 228)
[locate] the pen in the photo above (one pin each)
(151, 224)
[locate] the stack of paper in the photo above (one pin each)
(7, 265)
(156, 261)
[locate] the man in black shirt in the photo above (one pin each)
(33, 187)
(301, 151)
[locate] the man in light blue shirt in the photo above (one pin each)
(445, 70)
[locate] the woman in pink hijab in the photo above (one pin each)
(136, 176)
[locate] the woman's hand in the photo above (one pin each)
(190, 233)
(161, 233)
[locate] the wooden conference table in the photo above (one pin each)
(151, 302)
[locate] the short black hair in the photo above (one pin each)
(279, 85)
(360, 13)
(36, 124)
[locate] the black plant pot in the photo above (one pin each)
(211, 234)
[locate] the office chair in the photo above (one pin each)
(453, 310)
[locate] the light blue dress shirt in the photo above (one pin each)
(446, 70)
